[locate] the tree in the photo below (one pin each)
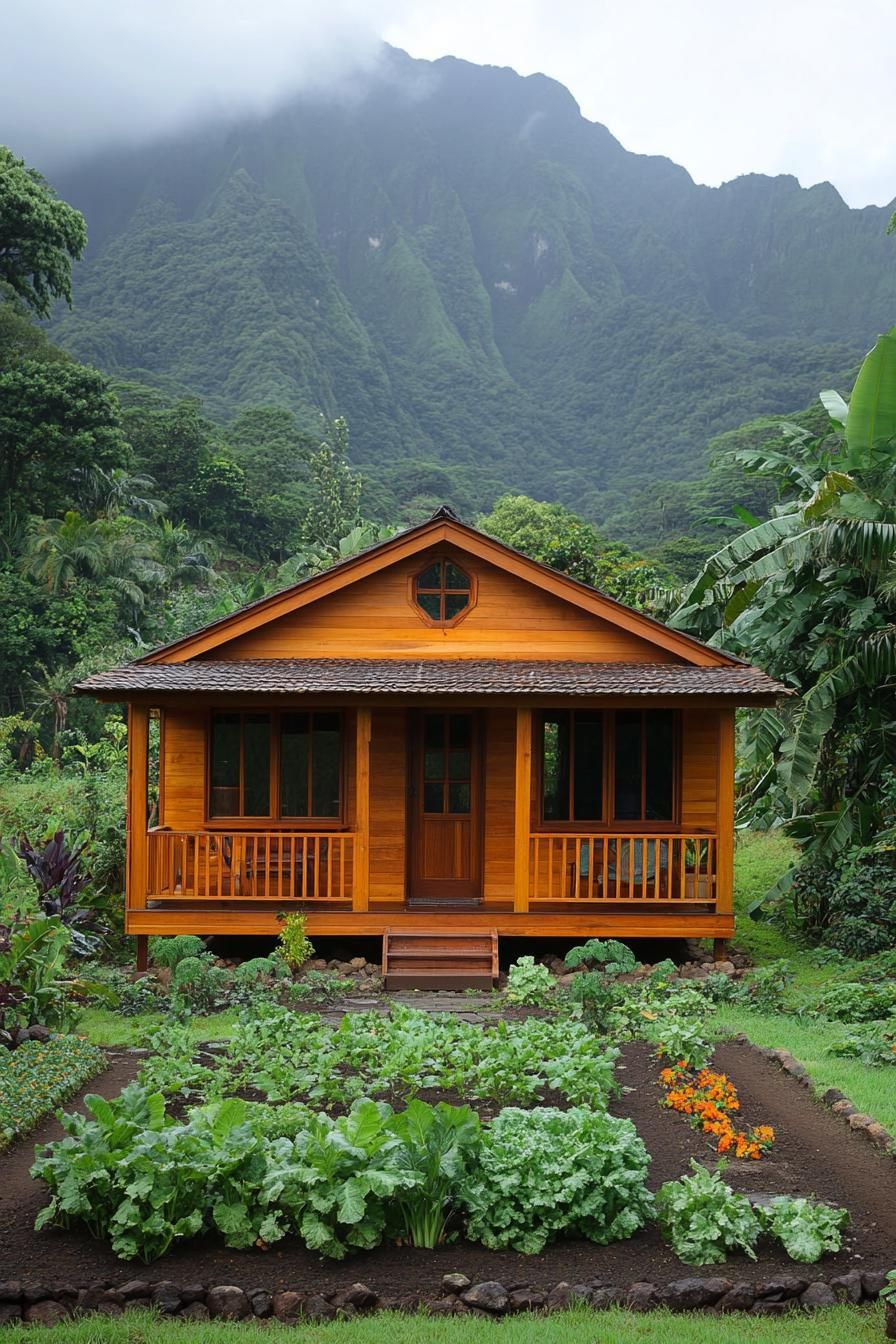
(553, 535)
(40, 236)
(810, 594)
(335, 491)
(57, 422)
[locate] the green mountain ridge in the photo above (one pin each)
(489, 287)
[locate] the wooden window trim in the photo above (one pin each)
(472, 593)
(608, 823)
(273, 820)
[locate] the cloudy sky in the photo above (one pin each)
(796, 86)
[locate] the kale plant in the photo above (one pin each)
(806, 1230)
(703, 1219)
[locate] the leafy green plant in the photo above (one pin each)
(806, 1230)
(32, 984)
(615, 957)
(863, 907)
(529, 982)
(293, 944)
(680, 1039)
(438, 1145)
(39, 1076)
(169, 951)
(173, 1066)
(597, 998)
(874, 1043)
(703, 1219)
(545, 1173)
(334, 1180)
(852, 1001)
(317, 987)
(198, 985)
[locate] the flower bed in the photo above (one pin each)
(38, 1077)
(707, 1098)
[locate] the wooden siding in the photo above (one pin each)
(376, 619)
(182, 770)
(388, 793)
(499, 769)
(699, 769)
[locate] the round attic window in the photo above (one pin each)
(443, 592)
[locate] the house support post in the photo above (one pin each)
(725, 851)
(142, 951)
(361, 861)
(138, 788)
(522, 810)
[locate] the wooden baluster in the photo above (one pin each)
(592, 857)
(605, 864)
(551, 842)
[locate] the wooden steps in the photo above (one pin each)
(424, 959)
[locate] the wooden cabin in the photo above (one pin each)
(438, 736)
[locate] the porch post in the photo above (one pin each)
(522, 810)
(361, 858)
(138, 754)
(725, 815)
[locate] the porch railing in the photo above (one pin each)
(249, 865)
(649, 869)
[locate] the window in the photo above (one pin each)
(443, 592)
(282, 766)
(573, 766)
(644, 765)
(635, 750)
(447, 764)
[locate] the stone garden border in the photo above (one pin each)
(832, 1098)
(41, 1304)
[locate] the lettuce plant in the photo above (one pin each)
(703, 1219)
(545, 1173)
(806, 1230)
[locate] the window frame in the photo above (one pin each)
(608, 821)
(442, 559)
(273, 819)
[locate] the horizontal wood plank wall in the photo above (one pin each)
(182, 770)
(375, 619)
(699, 769)
(499, 770)
(388, 790)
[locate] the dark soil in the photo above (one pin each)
(814, 1154)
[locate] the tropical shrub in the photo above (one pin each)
(61, 880)
(852, 1001)
(545, 1173)
(39, 1076)
(32, 964)
(293, 944)
(703, 1219)
(529, 982)
(874, 1043)
(805, 1229)
(198, 985)
(863, 907)
(169, 951)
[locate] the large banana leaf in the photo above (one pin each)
(872, 406)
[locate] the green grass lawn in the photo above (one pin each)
(103, 1026)
(839, 1325)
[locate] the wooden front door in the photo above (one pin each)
(445, 808)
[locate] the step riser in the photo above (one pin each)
(429, 960)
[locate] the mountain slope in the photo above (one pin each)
(476, 276)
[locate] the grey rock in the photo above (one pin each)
(844, 1107)
(195, 1311)
(227, 1302)
(192, 1292)
(287, 1306)
(858, 1120)
(878, 1135)
(831, 1095)
(35, 1292)
(166, 1298)
(490, 1296)
(10, 1312)
(109, 1308)
(358, 963)
(525, 1299)
(447, 1306)
(818, 1295)
(317, 1308)
(560, 1296)
(358, 1296)
(764, 1307)
(785, 1285)
(134, 1288)
(455, 1283)
(604, 1297)
(10, 1290)
(687, 1294)
(640, 1296)
(738, 1298)
(848, 1287)
(45, 1312)
(874, 1281)
(261, 1302)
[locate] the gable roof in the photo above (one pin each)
(444, 527)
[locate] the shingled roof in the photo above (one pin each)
(435, 676)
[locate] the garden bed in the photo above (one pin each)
(812, 1155)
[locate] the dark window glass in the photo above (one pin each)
(326, 765)
(225, 767)
(588, 766)
(628, 765)
(434, 765)
(645, 765)
(442, 590)
(660, 753)
(256, 765)
(459, 798)
(433, 797)
(555, 771)
(458, 765)
(460, 730)
(294, 753)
